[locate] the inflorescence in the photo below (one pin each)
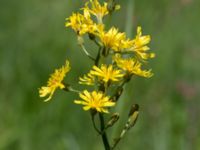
(117, 60)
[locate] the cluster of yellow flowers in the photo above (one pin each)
(117, 60)
(127, 57)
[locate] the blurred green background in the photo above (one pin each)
(34, 41)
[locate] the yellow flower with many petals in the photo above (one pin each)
(140, 45)
(115, 40)
(97, 9)
(94, 100)
(107, 73)
(81, 24)
(54, 82)
(132, 66)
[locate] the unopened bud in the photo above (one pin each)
(112, 6)
(80, 40)
(152, 55)
(113, 119)
(91, 36)
(118, 94)
(133, 115)
(117, 7)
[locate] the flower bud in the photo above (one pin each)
(91, 36)
(112, 6)
(118, 94)
(80, 40)
(133, 115)
(113, 119)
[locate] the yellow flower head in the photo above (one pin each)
(114, 39)
(54, 82)
(139, 45)
(81, 24)
(88, 79)
(132, 66)
(94, 100)
(97, 9)
(107, 73)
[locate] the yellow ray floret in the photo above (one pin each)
(54, 82)
(97, 9)
(107, 73)
(140, 45)
(88, 79)
(115, 40)
(95, 100)
(81, 24)
(132, 66)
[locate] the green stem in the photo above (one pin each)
(98, 57)
(104, 135)
(115, 144)
(86, 52)
(94, 125)
(70, 89)
(97, 43)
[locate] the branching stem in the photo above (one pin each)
(104, 135)
(94, 125)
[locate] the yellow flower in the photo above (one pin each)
(54, 82)
(113, 39)
(107, 73)
(97, 10)
(132, 66)
(139, 45)
(88, 79)
(75, 22)
(81, 24)
(94, 100)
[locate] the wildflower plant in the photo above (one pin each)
(117, 60)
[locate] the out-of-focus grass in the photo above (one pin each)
(34, 41)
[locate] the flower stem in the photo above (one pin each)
(98, 57)
(97, 43)
(94, 125)
(104, 135)
(86, 52)
(68, 88)
(74, 90)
